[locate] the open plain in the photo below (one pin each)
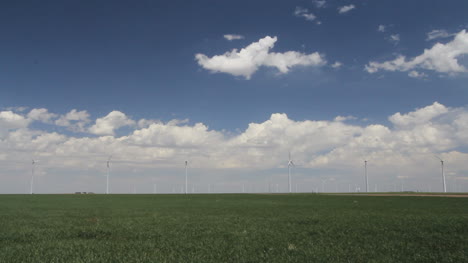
(232, 228)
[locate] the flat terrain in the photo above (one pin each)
(407, 194)
(232, 228)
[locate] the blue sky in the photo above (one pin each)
(139, 58)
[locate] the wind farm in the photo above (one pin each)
(304, 181)
(295, 215)
(220, 131)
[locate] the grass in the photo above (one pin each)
(232, 228)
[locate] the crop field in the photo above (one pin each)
(232, 228)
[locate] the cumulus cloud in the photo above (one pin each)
(304, 13)
(172, 135)
(144, 123)
(248, 60)
(108, 124)
(345, 9)
(419, 116)
(232, 37)
(438, 33)
(42, 115)
(74, 120)
(442, 58)
(10, 120)
(410, 139)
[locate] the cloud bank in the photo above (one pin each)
(340, 144)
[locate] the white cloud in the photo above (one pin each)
(108, 124)
(144, 123)
(337, 64)
(249, 59)
(438, 33)
(442, 58)
(46, 142)
(381, 28)
(172, 135)
(42, 115)
(419, 116)
(410, 140)
(417, 75)
(304, 13)
(17, 109)
(345, 9)
(345, 118)
(395, 38)
(232, 37)
(74, 120)
(10, 120)
(319, 3)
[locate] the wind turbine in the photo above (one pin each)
(443, 174)
(290, 163)
(186, 178)
(365, 174)
(32, 175)
(108, 169)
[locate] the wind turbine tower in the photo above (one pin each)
(186, 178)
(443, 174)
(290, 163)
(108, 172)
(365, 173)
(32, 176)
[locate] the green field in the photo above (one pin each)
(232, 228)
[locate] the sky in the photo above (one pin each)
(233, 88)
